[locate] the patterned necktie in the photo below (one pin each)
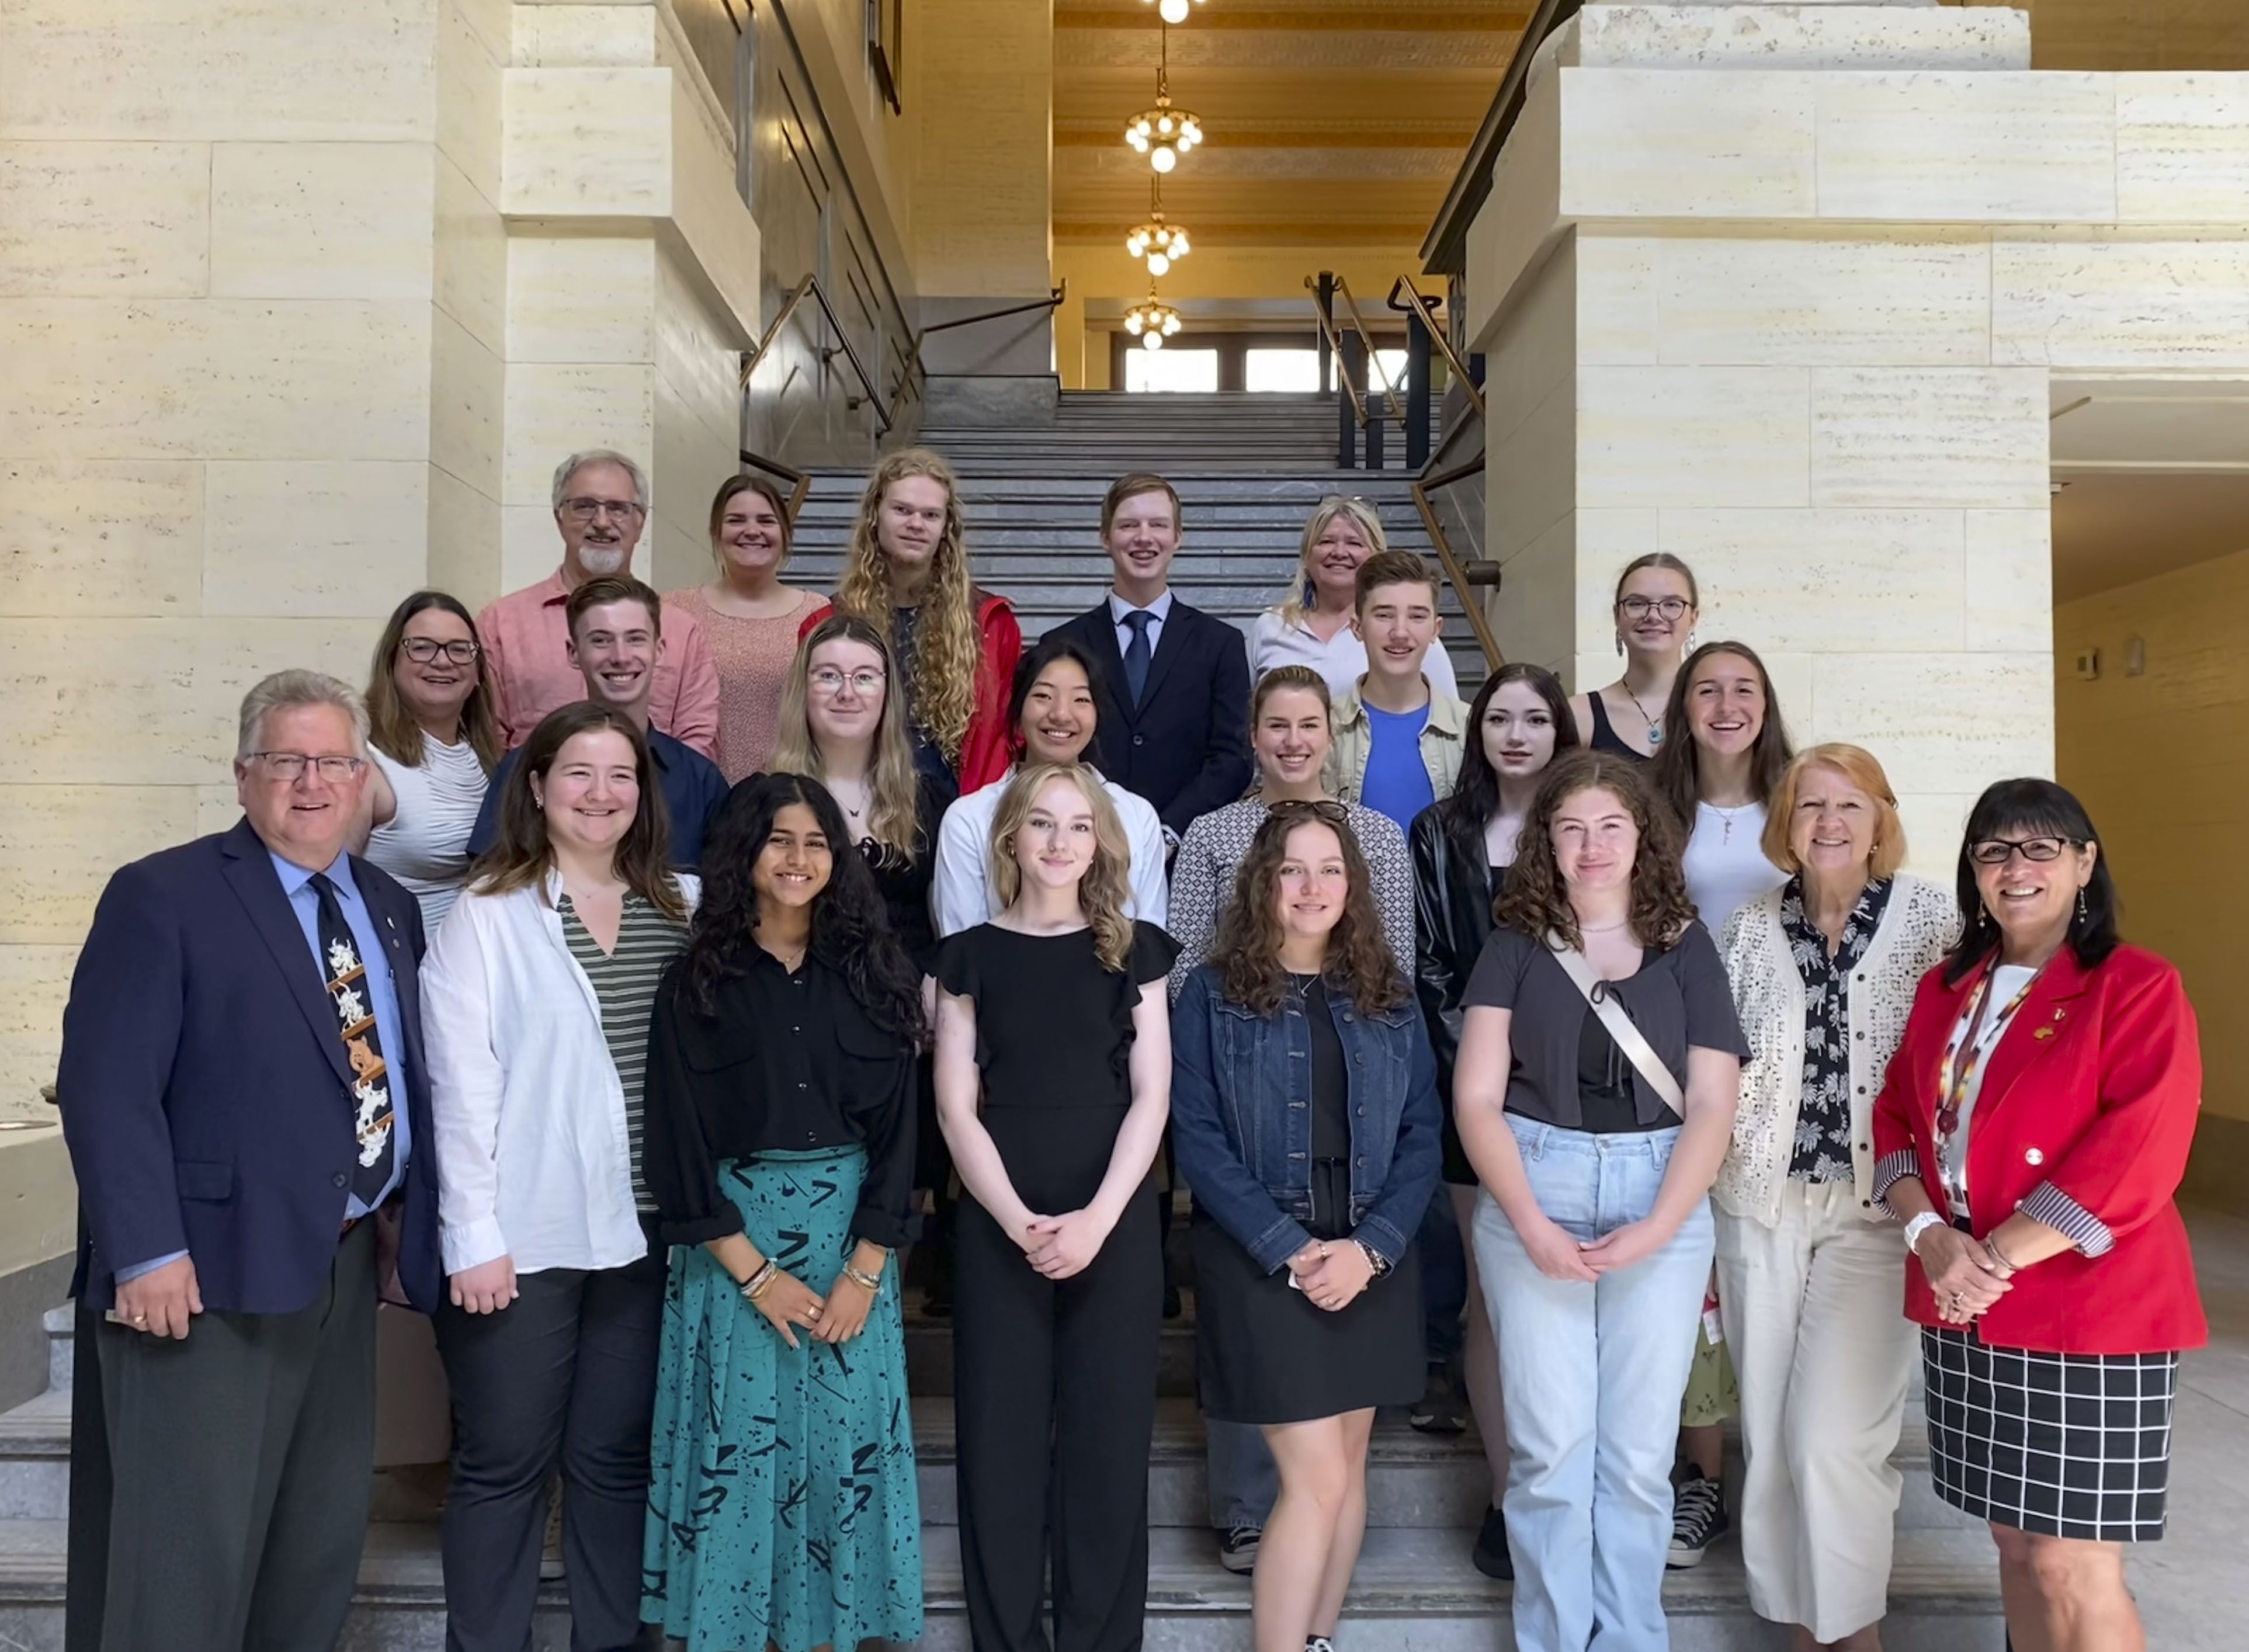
(355, 1000)
(1138, 654)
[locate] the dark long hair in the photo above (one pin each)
(521, 853)
(1534, 900)
(391, 728)
(2031, 808)
(852, 929)
(1051, 648)
(1678, 763)
(1247, 949)
(1475, 796)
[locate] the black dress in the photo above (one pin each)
(1054, 1380)
(903, 882)
(1264, 1353)
(1606, 739)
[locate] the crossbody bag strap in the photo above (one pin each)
(1628, 1037)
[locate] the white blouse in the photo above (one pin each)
(1725, 865)
(1999, 1005)
(1341, 660)
(425, 845)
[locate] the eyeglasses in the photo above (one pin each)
(422, 649)
(828, 680)
(586, 510)
(289, 765)
(1318, 808)
(1998, 851)
(1639, 607)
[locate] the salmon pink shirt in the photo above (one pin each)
(526, 638)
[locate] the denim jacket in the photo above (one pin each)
(1242, 1118)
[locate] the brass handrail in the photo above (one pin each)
(1334, 340)
(1373, 358)
(1464, 579)
(1055, 296)
(1458, 368)
(800, 484)
(810, 287)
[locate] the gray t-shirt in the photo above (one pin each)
(1680, 999)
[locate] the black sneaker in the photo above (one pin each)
(1698, 1519)
(1490, 1556)
(1318, 1643)
(1237, 1550)
(1440, 1410)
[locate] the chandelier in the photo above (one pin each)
(1151, 322)
(1174, 10)
(1163, 245)
(1164, 134)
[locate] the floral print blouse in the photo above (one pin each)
(1823, 1119)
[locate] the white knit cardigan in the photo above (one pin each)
(1918, 926)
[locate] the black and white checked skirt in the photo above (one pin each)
(2067, 1445)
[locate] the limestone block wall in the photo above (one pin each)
(298, 309)
(1800, 326)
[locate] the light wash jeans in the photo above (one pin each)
(1592, 1376)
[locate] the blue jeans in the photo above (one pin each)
(1593, 1374)
(1444, 1278)
(1245, 1481)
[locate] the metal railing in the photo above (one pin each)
(1467, 580)
(810, 288)
(1333, 342)
(1055, 296)
(1425, 306)
(799, 483)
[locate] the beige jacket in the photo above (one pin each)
(1443, 738)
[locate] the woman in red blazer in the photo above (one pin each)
(956, 644)
(2032, 1128)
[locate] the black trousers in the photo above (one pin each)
(563, 1377)
(239, 1459)
(1054, 1397)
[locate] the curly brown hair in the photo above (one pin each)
(948, 643)
(1247, 952)
(1535, 900)
(1106, 887)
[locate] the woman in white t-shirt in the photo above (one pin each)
(434, 741)
(1318, 625)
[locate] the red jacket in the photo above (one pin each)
(2094, 1087)
(989, 745)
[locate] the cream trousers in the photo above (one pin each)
(1813, 1310)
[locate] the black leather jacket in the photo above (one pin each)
(1453, 894)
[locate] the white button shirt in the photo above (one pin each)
(1341, 659)
(962, 897)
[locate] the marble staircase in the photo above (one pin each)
(1414, 1590)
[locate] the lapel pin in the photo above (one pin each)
(2042, 1032)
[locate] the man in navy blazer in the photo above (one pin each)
(247, 1106)
(1174, 710)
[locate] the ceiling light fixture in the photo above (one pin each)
(1152, 321)
(1164, 134)
(1163, 245)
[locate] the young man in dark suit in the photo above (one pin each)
(1174, 714)
(247, 1107)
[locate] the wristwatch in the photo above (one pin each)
(1920, 1225)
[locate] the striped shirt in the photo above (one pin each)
(625, 982)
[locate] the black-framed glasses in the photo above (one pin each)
(585, 510)
(289, 765)
(1639, 607)
(422, 649)
(1998, 851)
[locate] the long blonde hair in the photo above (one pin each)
(894, 787)
(948, 649)
(1107, 883)
(1362, 515)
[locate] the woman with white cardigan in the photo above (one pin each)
(1811, 1273)
(537, 995)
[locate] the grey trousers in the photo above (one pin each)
(1245, 1481)
(240, 1458)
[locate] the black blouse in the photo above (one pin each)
(903, 880)
(789, 1064)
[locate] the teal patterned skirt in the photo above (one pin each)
(782, 1508)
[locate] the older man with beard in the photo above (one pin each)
(601, 506)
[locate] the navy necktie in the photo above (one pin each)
(1137, 656)
(354, 997)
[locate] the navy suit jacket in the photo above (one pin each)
(205, 1095)
(1186, 747)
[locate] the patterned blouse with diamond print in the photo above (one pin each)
(1823, 1113)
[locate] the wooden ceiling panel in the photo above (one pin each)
(1328, 120)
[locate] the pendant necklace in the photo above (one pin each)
(1654, 725)
(1727, 816)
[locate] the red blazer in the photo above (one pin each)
(988, 747)
(2093, 1089)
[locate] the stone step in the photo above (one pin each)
(1413, 1591)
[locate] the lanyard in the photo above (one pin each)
(1969, 1049)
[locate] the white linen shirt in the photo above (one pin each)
(961, 895)
(1341, 659)
(529, 1115)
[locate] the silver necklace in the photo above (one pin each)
(1727, 816)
